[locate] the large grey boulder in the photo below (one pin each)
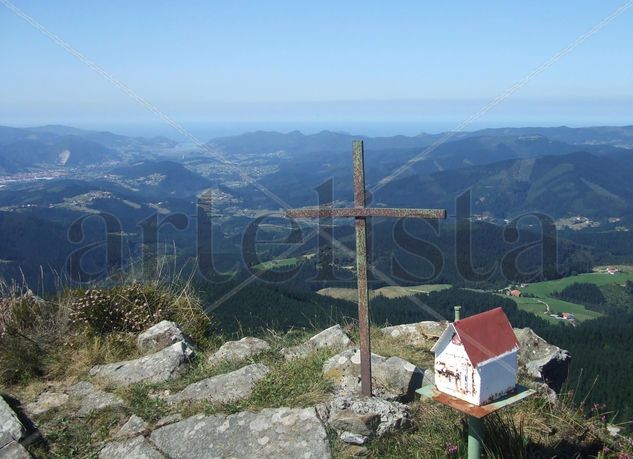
(160, 336)
(154, 368)
(333, 337)
(225, 388)
(358, 419)
(542, 361)
(10, 426)
(14, 450)
(417, 334)
(90, 399)
(279, 433)
(393, 378)
(136, 448)
(237, 351)
(46, 402)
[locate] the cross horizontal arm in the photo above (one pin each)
(336, 212)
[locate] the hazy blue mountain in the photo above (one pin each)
(296, 142)
(608, 135)
(562, 185)
(45, 147)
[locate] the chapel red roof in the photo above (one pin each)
(486, 335)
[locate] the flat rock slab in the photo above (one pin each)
(225, 388)
(9, 423)
(160, 336)
(14, 450)
(154, 368)
(134, 448)
(393, 378)
(92, 399)
(333, 337)
(133, 427)
(46, 402)
(237, 351)
(364, 416)
(417, 334)
(280, 433)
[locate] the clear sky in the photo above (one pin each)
(432, 63)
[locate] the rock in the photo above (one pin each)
(160, 336)
(5, 438)
(272, 433)
(393, 378)
(14, 450)
(542, 361)
(46, 402)
(352, 438)
(333, 337)
(365, 416)
(92, 399)
(225, 388)
(137, 448)
(237, 351)
(417, 334)
(154, 368)
(169, 419)
(10, 426)
(80, 390)
(133, 427)
(361, 424)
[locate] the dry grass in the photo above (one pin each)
(388, 346)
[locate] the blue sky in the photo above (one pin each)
(432, 63)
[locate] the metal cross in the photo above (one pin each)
(360, 213)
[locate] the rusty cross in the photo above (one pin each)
(360, 213)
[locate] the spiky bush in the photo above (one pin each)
(134, 307)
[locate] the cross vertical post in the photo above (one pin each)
(360, 213)
(361, 268)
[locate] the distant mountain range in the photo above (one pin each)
(561, 185)
(562, 172)
(29, 149)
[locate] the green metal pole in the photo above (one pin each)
(475, 437)
(457, 313)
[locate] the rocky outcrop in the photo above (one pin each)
(238, 351)
(542, 361)
(9, 421)
(154, 368)
(416, 334)
(225, 388)
(91, 399)
(13, 450)
(46, 402)
(160, 336)
(11, 432)
(333, 337)
(393, 378)
(137, 448)
(272, 433)
(358, 419)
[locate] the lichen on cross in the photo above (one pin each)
(360, 213)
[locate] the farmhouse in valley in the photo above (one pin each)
(476, 358)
